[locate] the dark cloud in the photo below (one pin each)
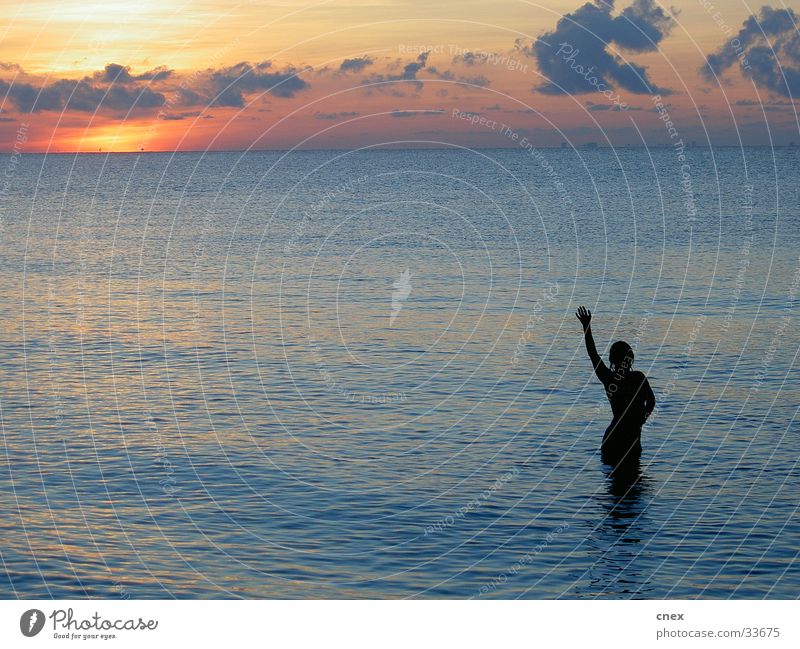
(86, 97)
(117, 88)
(477, 80)
(590, 106)
(767, 49)
(355, 65)
(769, 106)
(188, 97)
(82, 95)
(227, 86)
(156, 74)
(116, 73)
(778, 109)
(448, 75)
(575, 58)
(750, 102)
(471, 58)
(335, 116)
(113, 88)
(415, 113)
(175, 117)
(410, 69)
(477, 58)
(27, 98)
(407, 72)
(641, 26)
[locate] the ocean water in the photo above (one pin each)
(359, 374)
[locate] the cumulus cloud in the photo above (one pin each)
(116, 73)
(116, 88)
(575, 58)
(355, 65)
(410, 69)
(471, 58)
(188, 97)
(227, 86)
(86, 97)
(83, 95)
(767, 49)
(399, 71)
(113, 88)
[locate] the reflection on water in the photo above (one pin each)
(208, 388)
(619, 538)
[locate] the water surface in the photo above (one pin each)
(205, 392)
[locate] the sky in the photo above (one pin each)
(166, 75)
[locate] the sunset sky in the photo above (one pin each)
(161, 75)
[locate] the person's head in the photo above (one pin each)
(620, 356)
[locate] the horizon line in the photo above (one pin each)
(587, 146)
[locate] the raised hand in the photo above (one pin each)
(584, 315)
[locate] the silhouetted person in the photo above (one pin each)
(629, 393)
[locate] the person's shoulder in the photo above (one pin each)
(638, 376)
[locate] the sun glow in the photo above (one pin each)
(116, 138)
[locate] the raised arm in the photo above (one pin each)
(603, 373)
